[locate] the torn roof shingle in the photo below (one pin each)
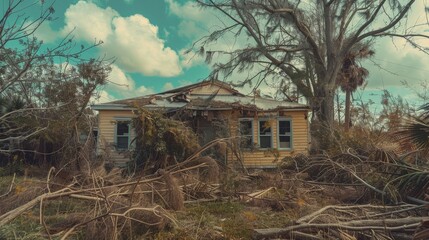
(202, 102)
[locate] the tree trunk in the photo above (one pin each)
(347, 112)
(337, 96)
(321, 129)
(326, 115)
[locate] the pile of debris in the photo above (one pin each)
(111, 205)
(353, 222)
(348, 196)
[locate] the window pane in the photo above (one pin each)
(265, 141)
(122, 128)
(264, 128)
(122, 142)
(246, 133)
(284, 141)
(245, 127)
(284, 127)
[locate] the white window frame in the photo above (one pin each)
(259, 133)
(128, 135)
(290, 135)
(251, 120)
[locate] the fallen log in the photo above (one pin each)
(357, 225)
(9, 216)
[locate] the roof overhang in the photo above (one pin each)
(111, 106)
(178, 99)
(124, 107)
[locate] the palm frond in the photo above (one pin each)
(414, 184)
(425, 114)
(416, 132)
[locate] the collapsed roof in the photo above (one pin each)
(183, 98)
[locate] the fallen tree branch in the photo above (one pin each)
(359, 178)
(356, 225)
(81, 224)
(402, 208)
(9, 216)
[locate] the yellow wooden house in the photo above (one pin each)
(266, 129)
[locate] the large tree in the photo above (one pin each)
(305, 42)
(44, 89)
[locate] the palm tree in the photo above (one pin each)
(8, 124)
(352, 76)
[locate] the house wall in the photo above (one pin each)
(251, 158)
(106, 135)
(210, 89)
(267, 157)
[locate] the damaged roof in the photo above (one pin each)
(218, 83)
(182, 98)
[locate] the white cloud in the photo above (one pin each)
(196, 23)
(194, 20)
(142, 90)
(167, 86)
(132, 40)
(88, 21)
(189, 59)
(189, 29)
(124, 85)
(136, 44)
(188, 10)
(102, 97)
(46, 33)
(395, 62)
(119, 80)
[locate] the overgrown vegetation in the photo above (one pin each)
(44, 91)
(375, 190)
(161, 141)
(371, 182)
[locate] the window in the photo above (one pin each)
(246, 133)
(122, 135)
(265, 134)
(284, 134)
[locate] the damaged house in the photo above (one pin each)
(263, 129)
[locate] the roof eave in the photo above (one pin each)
(122, 107)
(293, 109)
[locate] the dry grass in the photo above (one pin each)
(123, 208)
(22, 193)
(210, 172)
(173, 196)
(218, 220)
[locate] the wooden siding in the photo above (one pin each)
(106, 135)
(210, 89)
(270, 157)
(251, 158)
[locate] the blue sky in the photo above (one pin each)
(148, 39)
